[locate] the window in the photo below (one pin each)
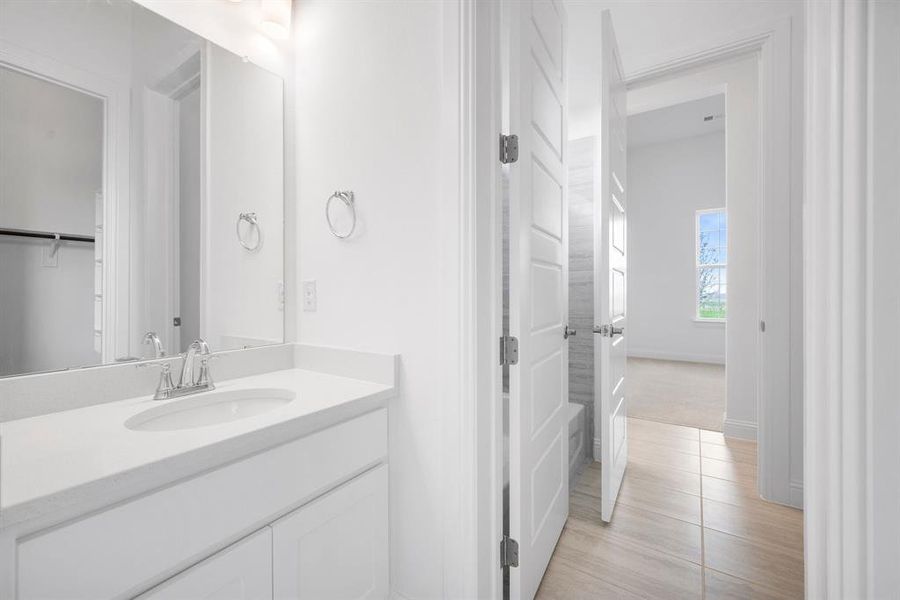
(712, 264)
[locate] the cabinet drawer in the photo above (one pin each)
(335, 548)
(242, 571)
(125, 549)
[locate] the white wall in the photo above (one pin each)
(240, 301)
(739, 78)
(232, 25)
(51, 144)
(669, 182)
(370, 117)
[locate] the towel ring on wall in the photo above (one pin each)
(251, 218)
(347, 198)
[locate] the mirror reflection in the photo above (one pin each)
(141, 178)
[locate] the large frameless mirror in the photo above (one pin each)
(141, 189)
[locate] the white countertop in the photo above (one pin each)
(57, 466)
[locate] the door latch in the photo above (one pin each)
(608, 330)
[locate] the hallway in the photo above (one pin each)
(688, 524)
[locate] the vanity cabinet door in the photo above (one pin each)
(337, 546)
(242, 571)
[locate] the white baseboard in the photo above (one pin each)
(797, 494)
(745, 430)
(679, 356)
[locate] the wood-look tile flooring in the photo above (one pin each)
(688, 524)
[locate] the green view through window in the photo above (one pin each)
(712, 264)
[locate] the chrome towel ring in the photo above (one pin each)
(249, 217)
(347, 198)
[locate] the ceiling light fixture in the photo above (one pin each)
(276, 18)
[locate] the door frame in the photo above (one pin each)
(779, 350)
(852, 533)
(481, 474)
(115, 96)
(162, 131)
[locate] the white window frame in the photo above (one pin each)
(697, 214)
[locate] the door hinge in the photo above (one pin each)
(509, 149)
(509, 350)
(762, 326)
(509, 552)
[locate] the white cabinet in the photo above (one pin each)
(243, 571)
(335, 547)
(122, 550)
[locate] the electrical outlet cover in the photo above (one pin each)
(310, 299)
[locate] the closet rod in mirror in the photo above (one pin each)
(46, 235)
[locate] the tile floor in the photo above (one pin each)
(688, 524)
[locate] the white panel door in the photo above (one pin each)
(242, 571)
(335, 548)
(538, 438)
(610, 278)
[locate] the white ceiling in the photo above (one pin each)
(676, 122)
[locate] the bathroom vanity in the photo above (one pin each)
(142, 227)
(273, 485)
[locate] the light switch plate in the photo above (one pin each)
(309, 296)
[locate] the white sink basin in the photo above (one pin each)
(210, 408)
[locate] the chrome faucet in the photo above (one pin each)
(187, 369)
(153, 339)
(188, 384)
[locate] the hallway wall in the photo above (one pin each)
(372, 115)
(669, 182)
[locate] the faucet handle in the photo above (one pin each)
(204, 378)
(165, 387)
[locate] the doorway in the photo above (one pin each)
(759, 93)
(678, 249)
(690, 502)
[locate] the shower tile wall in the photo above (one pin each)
(581, 279)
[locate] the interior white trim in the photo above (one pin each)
(779, 172)
(744, 430)
(115, 96)
(677, 356)
(463, 456)
(487, 296)
(797, 494)
(731, 44)
(852, 319)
